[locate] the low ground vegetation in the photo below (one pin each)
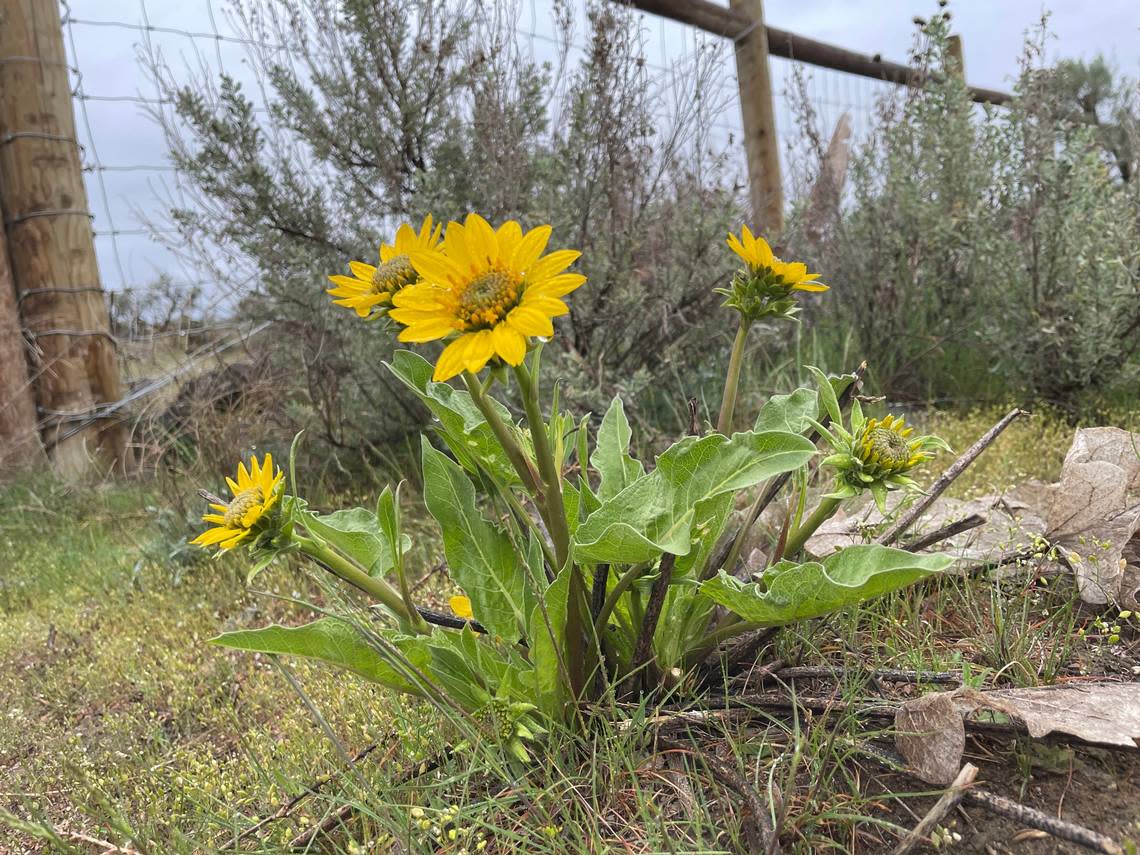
(121, 724)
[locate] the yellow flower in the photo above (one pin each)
(462, 607)
(757, 254)
(489, 291)
(254, 492)
(370, 287)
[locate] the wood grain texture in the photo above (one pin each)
(50, 244)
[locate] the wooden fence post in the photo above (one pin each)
(20, 446)
(758, 110)
(954, 54)
(50, 245)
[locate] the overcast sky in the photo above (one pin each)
(118, 135)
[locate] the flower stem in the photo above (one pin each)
(824, 511)
(548, 469)
(515, 454)
(732, 379)
(577, 605)
(347, 570)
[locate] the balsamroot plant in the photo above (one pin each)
(584, 570)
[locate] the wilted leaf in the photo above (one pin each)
(930, 736)
(1105, 713)
(931, 730)
(1094, 511)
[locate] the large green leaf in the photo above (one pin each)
(481, 557)
(790, 592)
(339, 643)
(460, 422)
(611, 456)
(656, 512)
(357, 533)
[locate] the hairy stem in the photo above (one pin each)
(555, 515)
(824, 511)
(349, 571)
(515, 454)
(732, 379)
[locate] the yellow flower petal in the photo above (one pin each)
(530, 248)
(435, 267)
(427, 330)
(509, 344)
(450, 362)
(461, 607)
(552, 264)
(480, 349)
(530, 321)
(557, 286)
(361, 270)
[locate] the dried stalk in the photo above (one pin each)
(920, 834)
(944, 533)
(642, 651)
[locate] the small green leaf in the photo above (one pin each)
(611, 456)
(481, 556)
(789, 592)
(339, 643)
(355, 532)
(792, 413)
(656, 513)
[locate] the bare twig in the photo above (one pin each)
(1033, 818)
(944, 533)
(642, 651)
(309, 790)
(1008, 808)
(893, 675)
(921, 833)
(947, 478)
(761, 836)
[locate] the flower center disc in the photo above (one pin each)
(393, 275)
(487, 299)
(240, 506)
(892, 448)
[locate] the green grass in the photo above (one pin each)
(122, 724)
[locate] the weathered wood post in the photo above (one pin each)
(758, 111)
(19, 436)
(50, 245)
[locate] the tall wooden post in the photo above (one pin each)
(19, 436)
(758, 110)
(50, 245)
